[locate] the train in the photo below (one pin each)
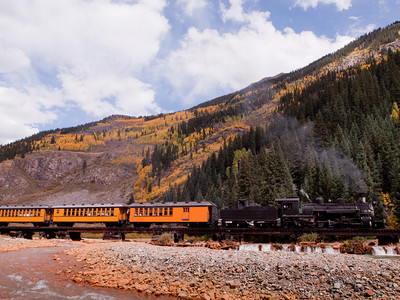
(287, 212)
(290, 212)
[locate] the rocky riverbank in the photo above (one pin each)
(200, 273)
(8, 244)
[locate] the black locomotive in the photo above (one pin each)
(290, 212)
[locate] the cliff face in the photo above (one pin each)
(57, 177)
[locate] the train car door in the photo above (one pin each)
(185, 214)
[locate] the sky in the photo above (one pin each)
(68, 62)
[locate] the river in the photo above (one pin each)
(36, 273)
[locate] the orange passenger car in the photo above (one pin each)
(110, 214)
(36, 214)
(195, 213)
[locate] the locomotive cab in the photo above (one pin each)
(291, 213)
(288, 206)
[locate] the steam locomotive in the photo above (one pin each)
(290, 212)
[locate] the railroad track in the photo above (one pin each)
(394, 233)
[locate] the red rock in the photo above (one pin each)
(123, 282)
(369, 293)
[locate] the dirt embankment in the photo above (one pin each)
(200, 273)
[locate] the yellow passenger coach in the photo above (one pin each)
(36, 214)
(109, 214)
(194, 213)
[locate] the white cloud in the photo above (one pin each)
(234, 12)
(192, 6)
(340, 4)
(209, 61)
(21, 111)
(94, 52)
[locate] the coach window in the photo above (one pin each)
(141, 212)
(107, 212)
(170, 211)
(145, 211)
(160, 211)
(112, 211)
(136, 212)
(1, 213)
(186, 209)
(150, 212)
(155, 212)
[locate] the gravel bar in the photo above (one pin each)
(201, 273)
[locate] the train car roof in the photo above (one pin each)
(287, 200)
(24, 206)
(89, 205)
(172, 204)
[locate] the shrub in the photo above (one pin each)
(309, 237)
(165, 238)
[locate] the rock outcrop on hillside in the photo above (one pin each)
(61, 177)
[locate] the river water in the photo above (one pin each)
(35, 273)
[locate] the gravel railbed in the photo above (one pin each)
(200, 273)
